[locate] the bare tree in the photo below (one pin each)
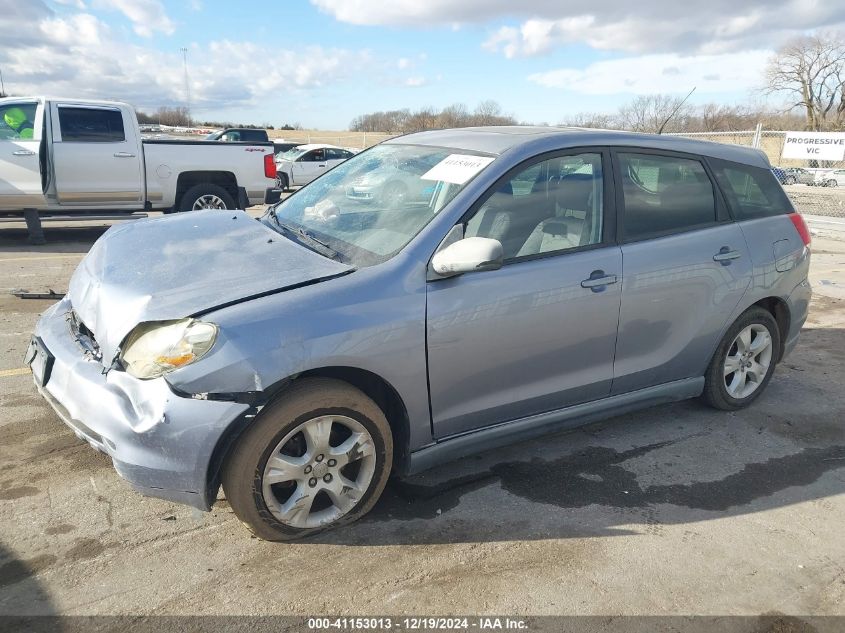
(647, 113)
(455, 115)
(592, 120)
(488, 112)
(811, 70)
(176, 116)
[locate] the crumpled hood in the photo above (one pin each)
(177, 266)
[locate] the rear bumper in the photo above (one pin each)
(161, 443)
(799, 305)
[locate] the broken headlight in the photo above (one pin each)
(155, 348)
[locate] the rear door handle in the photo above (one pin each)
(23, 152)
(725, 255)
(598, 280)
(123, 155)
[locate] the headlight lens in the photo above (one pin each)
(158, 347)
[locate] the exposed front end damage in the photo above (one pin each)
(160, 442)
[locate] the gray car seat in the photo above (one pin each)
(571, 224)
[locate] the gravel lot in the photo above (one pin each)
(674, 510)
(825, 201)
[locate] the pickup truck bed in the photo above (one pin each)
(82, 156)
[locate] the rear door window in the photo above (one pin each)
(91, 125)
(752, 192)
(663, 195)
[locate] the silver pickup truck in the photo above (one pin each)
(81, 156)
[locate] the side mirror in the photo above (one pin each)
(471, 254)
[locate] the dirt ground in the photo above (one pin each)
(678, 509)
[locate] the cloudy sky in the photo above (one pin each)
(321, 62)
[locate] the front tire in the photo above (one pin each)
(744, 361)
(206, 196)
(282, 182)
(317, 458)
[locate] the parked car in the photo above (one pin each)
(304, 163)
(239, 135)
(833, 178)
(280, 147)
(780, 174)
(393, 186)
(87, 156)
(798, 175)
(553, 278)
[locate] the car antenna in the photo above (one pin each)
(668, 118)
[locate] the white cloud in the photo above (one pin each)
(147, 16)
(415, 82)
(80, 55)
(661, 73)
(642, 26)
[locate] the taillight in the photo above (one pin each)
(269, 166)
(801, 227)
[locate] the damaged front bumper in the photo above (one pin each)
(160, 442)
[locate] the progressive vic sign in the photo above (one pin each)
(814, 145)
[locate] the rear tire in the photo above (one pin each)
(317, 458)
(282, 182)
(206, 195)
(744, 361)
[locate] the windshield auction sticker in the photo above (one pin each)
(457, 168)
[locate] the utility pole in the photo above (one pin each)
(2, 87)
(187, 85)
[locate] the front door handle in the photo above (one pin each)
(123, 155)
(23, 152)
(725, 255)
(320, 165)
(598, 280)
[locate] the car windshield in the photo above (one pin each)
(369, 207)
(292, 154)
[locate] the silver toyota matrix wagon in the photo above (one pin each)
(439, 294)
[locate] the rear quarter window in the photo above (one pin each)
(752, 192)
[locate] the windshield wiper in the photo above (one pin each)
(303, 237)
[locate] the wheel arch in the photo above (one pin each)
(373, 385)
(779, 309)
(187, 179)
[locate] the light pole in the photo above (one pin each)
(187, 85)
(2, 86)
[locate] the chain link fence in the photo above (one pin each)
(815, 187)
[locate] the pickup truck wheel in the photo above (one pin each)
(744, 361)
(206, 196)
(317, 458)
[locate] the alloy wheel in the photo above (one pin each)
(208, 201)
(748, 360)
(319, 471)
